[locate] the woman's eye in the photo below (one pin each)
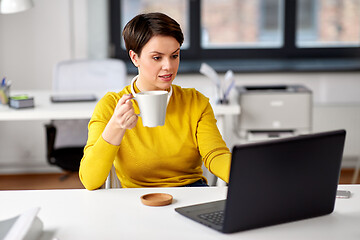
(156, 58)
(175, 56)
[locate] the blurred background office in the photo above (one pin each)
(314, 43)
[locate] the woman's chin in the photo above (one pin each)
(165, 85)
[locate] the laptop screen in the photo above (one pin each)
(284, 180)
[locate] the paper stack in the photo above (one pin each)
(223, 86)
(26, 226)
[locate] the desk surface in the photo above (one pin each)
(119, 214)
(44, 109)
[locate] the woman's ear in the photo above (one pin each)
(134, 58)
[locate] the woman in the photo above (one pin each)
(164, 156)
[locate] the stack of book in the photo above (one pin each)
(21, 101)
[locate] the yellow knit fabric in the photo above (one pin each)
(164, 156)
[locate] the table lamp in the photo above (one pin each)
(15, 6)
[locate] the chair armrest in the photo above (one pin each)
(112, 180)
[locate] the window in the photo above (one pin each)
(241, 24)
(174, 8)
(328, 23)
(255, 35)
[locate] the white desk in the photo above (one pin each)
(46, 110)
(119, 214)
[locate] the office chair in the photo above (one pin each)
(112, 180)
(66, 138)
(67, 157)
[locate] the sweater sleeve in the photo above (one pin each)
(98, 154)
(216, 155)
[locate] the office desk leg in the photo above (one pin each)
(221, 126)
(356, 172)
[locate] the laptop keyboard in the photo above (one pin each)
(216, 218)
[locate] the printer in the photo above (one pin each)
(273, 111)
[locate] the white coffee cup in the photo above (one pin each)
(152, 105)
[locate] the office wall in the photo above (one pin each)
(32, 42)
(98, 27)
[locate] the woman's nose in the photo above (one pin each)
(166, 64)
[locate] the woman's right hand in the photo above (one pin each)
(124, 115)
(123, 118)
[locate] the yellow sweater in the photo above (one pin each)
(164, 156)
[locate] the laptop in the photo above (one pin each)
(64, 98)
(275, 182)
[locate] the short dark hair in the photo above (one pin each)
(139, 30)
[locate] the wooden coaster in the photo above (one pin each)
(156, 199)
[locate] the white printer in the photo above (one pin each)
(273, 111)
